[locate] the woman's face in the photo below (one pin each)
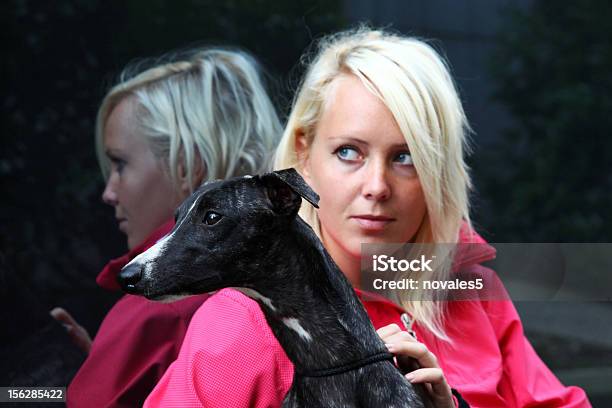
(359, 164)
(138, 187)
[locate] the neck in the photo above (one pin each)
(349, 264)
(315, 315)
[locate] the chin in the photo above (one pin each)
(376, 239)
(131, 244)
(354, 250)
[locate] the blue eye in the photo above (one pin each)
(347, 153)
(404, 159)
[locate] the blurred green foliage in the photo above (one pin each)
(549, 179)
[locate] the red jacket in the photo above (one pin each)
(136, 342)
(489, 361)
(230, 358)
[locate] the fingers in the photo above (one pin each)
(78, 333)
(405, 346)
(399, 337)
(81, 338)
(402, 343)
(62, 316)
(426, 375)
(436, 384)
(416, 350)
(387, 331)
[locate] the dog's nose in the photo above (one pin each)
(129, 277)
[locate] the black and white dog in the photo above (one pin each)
(245, 233)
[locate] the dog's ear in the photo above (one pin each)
(286, 188)
(293, 179)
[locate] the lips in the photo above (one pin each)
(373, 223)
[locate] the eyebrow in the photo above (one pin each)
(356, 140)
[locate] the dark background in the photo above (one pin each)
(535, 77)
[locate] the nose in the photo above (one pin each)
(129, 277)
(109, 195)
(376, 185)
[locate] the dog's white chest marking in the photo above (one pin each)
(294, 324)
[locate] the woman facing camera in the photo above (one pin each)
(160, 133)
(378, 131)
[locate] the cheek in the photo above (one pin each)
(413, 207)
(324, 176)
(333, 194)
(150, 198)
(127, 189)
(161, 197)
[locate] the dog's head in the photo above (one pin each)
(223, 230)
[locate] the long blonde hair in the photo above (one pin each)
(413, 81)
(208, 105)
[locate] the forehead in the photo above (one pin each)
(351, 110)
(120, 129)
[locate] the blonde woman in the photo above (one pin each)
(378, 130)
(160, 132)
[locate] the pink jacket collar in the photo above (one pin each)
(108, 277)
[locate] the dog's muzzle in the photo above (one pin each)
(129, 277)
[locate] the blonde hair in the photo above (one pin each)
(208, 105)
(414, 83)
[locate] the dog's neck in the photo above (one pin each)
(312, 309)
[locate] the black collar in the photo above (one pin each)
(352, 365)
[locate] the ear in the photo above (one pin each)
(302, 150)
(198, 175)
(286, 188)
(182, 178)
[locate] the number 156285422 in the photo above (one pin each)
(32, 394)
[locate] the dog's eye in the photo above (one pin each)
(211, 218)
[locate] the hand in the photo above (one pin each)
(402, 344)
(78, 333)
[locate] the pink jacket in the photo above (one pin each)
(230, 356)
(135, 344)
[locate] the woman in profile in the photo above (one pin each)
(160, 133)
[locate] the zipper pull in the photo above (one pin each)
(408, 322)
